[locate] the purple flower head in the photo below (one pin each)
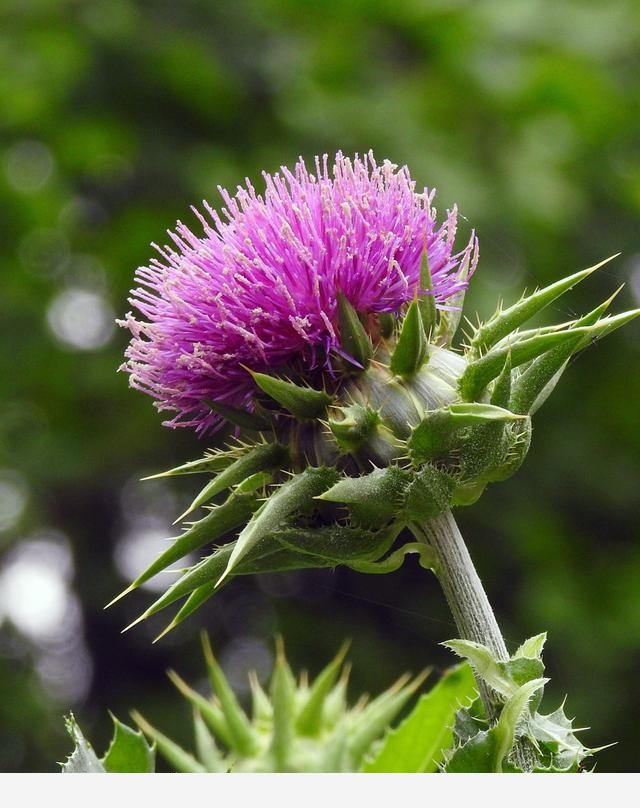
(259, 287)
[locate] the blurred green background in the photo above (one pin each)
(115, 116)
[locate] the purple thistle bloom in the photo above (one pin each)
(259, 288)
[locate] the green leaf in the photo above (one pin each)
(429, 494)
(532, 387)
(337, 543)
(555, 737)
(450, 317)
(488, 750)
(212, 461)
(241, 734)
(261, 709)
(252, 421)
(436, 433)
(264, 456)
(283, 698)
(302, 402)
(205, 708)
(412, 347)
(506, 321)
(374, 497)
(128, 751)
(481, 371)
(235, 511)
(353, 338)
(484, 664)
(532, 648)
(427, 302)
(83, 760)
(293, 496)
(419, 742)
(510, 715)
(200, 583)
(309, 720)
(180, 759)
(501, 393)
(387, 324)
(376, 716)
(393, 562)
(356, 426)
(208, 752)
(536, 382)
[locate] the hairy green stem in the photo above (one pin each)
(467, 600)
(460, 583)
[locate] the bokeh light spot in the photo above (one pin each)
(81, 319)
(28, 165)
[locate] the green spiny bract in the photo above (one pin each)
(292, 726)
(330, 469)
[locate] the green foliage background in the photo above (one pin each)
(115, 116)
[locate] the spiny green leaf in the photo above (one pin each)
(506, 321)
(268, 556)
(374, 497)
(195, 600)
(449, 317)
(427, 302)
(488, 750)
(501, 393)
(241, 734)
(235, 511)
(283, 697)
(429, 493)
(264, 456)
(337, 543)
(379, 713)
(483, 370)
(356, 425)
(532, 387)
(436, 433)
(559, 747)
(387, 324)
(309, 720)
(83, 760)
(252, 421)
(510, 715)
(336, 701)
(532, 648)
(411, 349)
(208, 752)
(209, 711)
(468, 413)
(293, 496)
(302, 402)
(484, 664)
(128, 752)
(353, 338)
(177, 757)
(419, 742)
(212, 461)
(261, 708)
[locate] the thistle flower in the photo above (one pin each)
(261, 287)
(319, 320)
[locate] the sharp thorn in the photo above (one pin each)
(126, 591)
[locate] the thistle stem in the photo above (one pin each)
(460, 583)
(468, 602)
